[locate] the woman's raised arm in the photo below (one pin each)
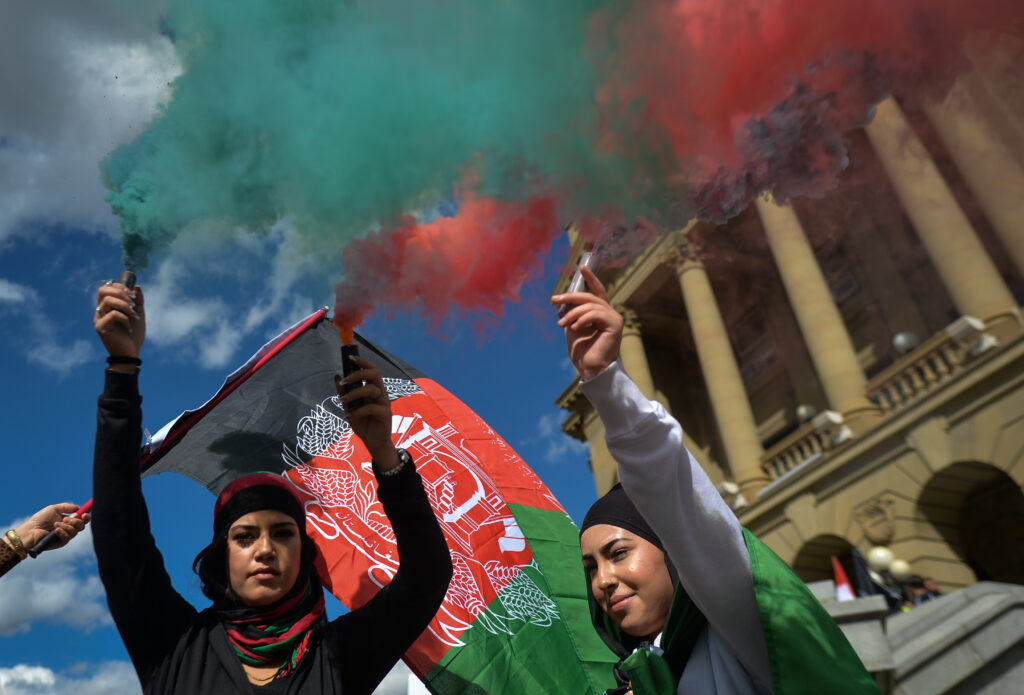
(148, 612)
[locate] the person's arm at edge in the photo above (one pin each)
(36, 527)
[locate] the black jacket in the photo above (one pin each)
(176, 649)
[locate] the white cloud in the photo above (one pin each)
(171, 316)
(200, 326)
(107, 678)
(61, 358)
(13, 293)
(40, 341)
(559, 446)
(548, 425)
(220, 347)
(281, 304)
(60, 587)
(209, 330)
(79, 78)
(568, 366)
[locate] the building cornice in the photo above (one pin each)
(660, 253)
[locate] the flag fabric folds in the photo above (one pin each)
(515, 618)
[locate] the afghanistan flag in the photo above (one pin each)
(515, 618)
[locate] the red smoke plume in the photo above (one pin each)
(476, 260)
(755, 94)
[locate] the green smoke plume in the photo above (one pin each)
(346, 115)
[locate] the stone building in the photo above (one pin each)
(850, 370)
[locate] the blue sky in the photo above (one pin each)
(74, 86)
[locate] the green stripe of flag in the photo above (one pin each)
(565, 656)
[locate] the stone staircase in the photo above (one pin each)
(964, 643)
(971, 641)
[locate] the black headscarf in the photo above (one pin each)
(254, 492)
(616, 509)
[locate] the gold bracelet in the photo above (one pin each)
(16, 543)
(8, 558)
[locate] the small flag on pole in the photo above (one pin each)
(844, 592)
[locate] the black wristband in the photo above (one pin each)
(124, 359)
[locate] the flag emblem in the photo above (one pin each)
(489, 551)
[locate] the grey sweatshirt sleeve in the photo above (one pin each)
(701, 534)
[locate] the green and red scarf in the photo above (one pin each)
(262, 636)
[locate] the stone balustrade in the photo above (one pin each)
(932, 363)
(809, 442)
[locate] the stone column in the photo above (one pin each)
(634, 357)
(729, 401)
(821, 325)
(602, 465)
(993, 175)
(989, 86)
(968, 273)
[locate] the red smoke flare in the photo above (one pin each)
(475, 260)
(345, 332)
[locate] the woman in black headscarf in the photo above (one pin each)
(266, 631)
(637, 605)
(689, 600)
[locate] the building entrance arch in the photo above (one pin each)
(979, 510)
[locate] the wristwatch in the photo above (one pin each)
(403, 459)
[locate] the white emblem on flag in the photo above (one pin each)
(464, 498)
